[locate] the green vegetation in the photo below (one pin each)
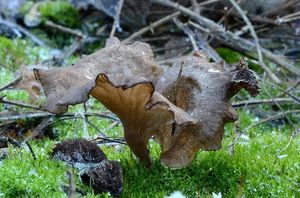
(12, 53)
(60, 12)
(256, 169)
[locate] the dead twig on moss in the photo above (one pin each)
(72, 188)
(39, 129)
(12, 83)
(23, 115)
(65, 29)
(31, 150)
(270, 118)
(20, 104)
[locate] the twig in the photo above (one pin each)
(84, 126)
(227, 35)
(295, 98)
(23, 30)
(261, 101)
(65, 29)
(274, 117)
(117, 18)
(151, 26)
(267, 70)
(277, 10)
(202, 43)
(110, 126)
(251, 28)
(187, 31)
(92, 125)
(31, 150)
(72, 188)
(12, 83)
(39, 129)
(290, 140)
(20, 104)
(15, 116)
(119, 141)
(281, 109)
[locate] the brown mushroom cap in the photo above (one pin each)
(203, 90)
(125, 65)
(141, 110)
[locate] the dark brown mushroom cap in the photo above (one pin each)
(203, 90)
(78, 151)
(105, 177)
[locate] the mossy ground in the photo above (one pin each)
(257, 168)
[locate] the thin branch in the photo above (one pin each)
(39, 129)
(65, 29)
(295, 98)
(267, 70)
(31, 150)
(203, 44)
(15, 116)
(117, 18)
(274, 117)
(262, 101)
(119, 141)
(13, 25)
(151, 26)
(72, 188)
(251, 28)
(187, 31)
(20, 104)
(12, 83)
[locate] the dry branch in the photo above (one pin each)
(262, 101)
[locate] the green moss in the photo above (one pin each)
(26, 7)
(12, 53)
(17, 52)
(229, 55)
(21, 176)
(60, 12)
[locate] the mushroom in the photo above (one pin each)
(121, 78)
(203, 90)
(95, 169)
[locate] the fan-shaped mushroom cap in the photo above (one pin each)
(125, 65)
(203, 90)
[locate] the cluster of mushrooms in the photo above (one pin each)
(184, 108)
